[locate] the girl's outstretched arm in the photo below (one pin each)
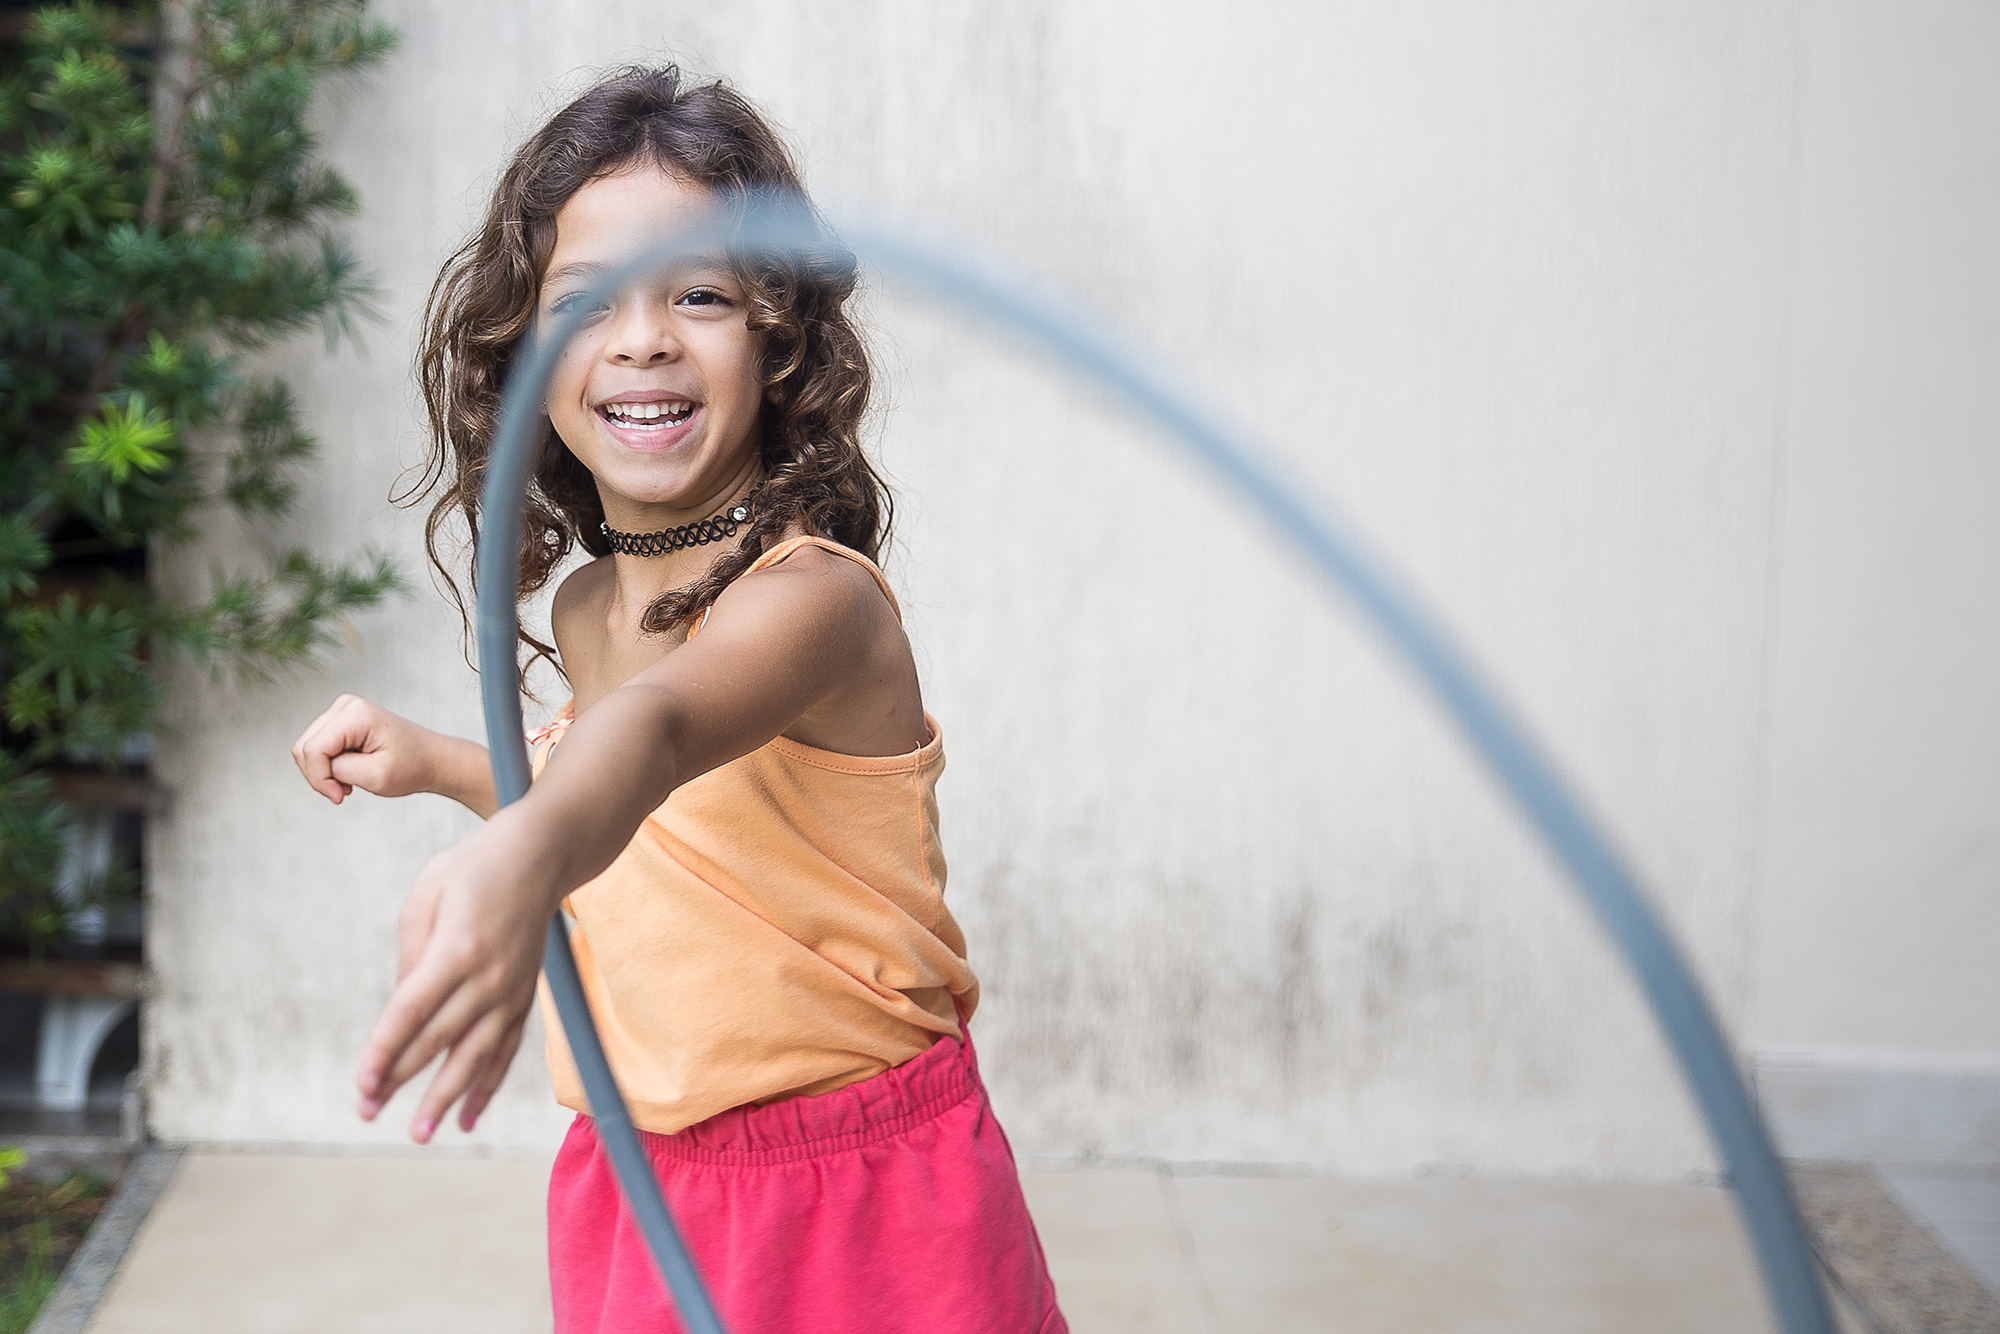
(359, 744)
(807, 638)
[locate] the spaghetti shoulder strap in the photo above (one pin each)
(554, 725)
(776, 555)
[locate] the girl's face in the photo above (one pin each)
(658, 394)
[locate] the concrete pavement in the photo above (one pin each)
(266, 1243)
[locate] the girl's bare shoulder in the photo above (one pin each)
(844, 588)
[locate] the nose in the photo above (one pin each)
(641, 333)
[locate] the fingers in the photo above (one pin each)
(461, 1011)
(481, 1047)
(487, 1081)
(365, 769)
(470, 949)
(480, 1037)
(324, 738)
(313, 726)
(466, 1063)
(444, 994)
(413, 1012)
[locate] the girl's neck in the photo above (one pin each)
(638, 580)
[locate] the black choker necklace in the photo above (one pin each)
(700, 533)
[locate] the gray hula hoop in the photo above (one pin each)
(1523, 769)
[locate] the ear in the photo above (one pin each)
(771, 394)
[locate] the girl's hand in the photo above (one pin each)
(471, 947)
(359, 744)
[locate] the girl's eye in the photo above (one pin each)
(704, 296)
(564, 304)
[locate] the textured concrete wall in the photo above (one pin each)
(1878, 1000)
(1511, 283)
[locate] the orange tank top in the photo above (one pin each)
(777, 927)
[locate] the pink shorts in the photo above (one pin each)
(889, 1205)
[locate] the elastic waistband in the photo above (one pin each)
(922, 1088)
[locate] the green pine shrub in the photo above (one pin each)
(163, 211)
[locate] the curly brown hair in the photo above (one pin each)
(817, 479)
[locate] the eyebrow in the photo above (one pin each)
(582, 268)
(593, 270)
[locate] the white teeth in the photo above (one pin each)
(635, 413)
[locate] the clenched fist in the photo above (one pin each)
(359, 744)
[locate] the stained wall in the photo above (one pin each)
(1513, 287)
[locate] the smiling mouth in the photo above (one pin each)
(656, 416)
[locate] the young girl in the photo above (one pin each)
(737, 805)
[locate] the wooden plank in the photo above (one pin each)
(73, 977)
(109, 792)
